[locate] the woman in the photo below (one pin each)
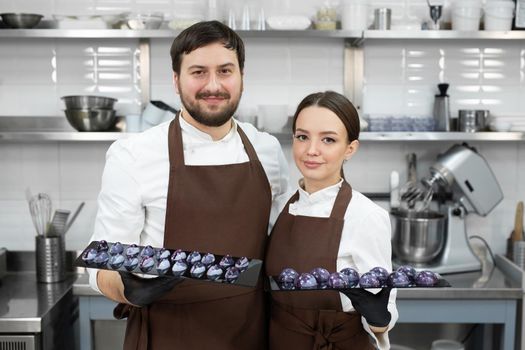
(327, 224)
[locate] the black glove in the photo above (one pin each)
(373, 307)
(144, 291)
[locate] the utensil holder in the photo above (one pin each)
(518, 254)
(50, 259)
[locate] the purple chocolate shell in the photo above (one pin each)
(197, 270)
(208, 259)
(146, 264)
(89, 256)
(287, 276)
(321, 275)
(398, 279)
(426, 279)
(163, 266)
(132, 251)
(369, 280)
(102, 246)
(162, 253)
(214, 272)
(116, 248)
(178, 255)
(232, 273)
(242, 263)
(226, 261)
(306, 281)
(179, 268)
(193, 257)
(147, 251)
(409, 271)
(131, 263)
(381, 273)
(337, 281)
(101, 259)
(116, 261)
(351, 276)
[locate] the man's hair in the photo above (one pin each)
(202, 34)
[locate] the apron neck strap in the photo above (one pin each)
(341, 201)
(176, 154)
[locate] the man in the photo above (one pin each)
(202, 182)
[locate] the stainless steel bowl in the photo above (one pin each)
(417, 237)
(21, 20)
(91, 119)
(88, 102)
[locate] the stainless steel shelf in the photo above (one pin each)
(165, 33)
(443, 34)
(310, 33)
(66, 136)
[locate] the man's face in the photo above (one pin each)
(210, 84)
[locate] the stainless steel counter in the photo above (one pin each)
(25, 305)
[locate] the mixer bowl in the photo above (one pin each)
(418, 237)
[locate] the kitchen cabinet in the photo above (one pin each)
(353, 74)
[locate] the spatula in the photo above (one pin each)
(517, 233)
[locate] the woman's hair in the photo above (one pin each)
(202, 34)
(339, 105)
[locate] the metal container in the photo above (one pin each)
(50, 259)
(91, 119)
(382, 18)
(472, 120)
(88, 101)
(418, 237)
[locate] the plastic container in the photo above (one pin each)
(466, 15)
(499, 15)
(354, 14)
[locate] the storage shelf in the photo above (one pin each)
(355, 36)
(66, 136)
(165, 33)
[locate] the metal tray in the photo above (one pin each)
(276, 286)
(247, 278)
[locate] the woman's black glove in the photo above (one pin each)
(373, 307)
(144, 291)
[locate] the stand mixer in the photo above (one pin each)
(438, 240)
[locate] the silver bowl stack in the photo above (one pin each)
(90, 113)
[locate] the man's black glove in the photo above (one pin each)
(144, 291)
(373, 307)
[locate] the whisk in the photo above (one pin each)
(40, 207)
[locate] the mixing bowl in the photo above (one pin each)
(91, 119)
(417, 237)
(21, 20)
(88, 102)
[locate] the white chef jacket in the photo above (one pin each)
(132, 200)
(365, 240)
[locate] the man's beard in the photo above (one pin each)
(214, 118)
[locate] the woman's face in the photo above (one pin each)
(320, 146)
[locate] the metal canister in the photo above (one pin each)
(50, 259)
(382, 18)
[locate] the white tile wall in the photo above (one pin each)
(400, 78)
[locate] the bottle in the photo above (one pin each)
(442, 109)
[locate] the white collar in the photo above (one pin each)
(193, 131)
(326, 193)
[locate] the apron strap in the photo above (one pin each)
(341, 201)
(176, 154)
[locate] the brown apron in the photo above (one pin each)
(312, 319)
(223, 209)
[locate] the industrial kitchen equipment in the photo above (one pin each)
(438, 240)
